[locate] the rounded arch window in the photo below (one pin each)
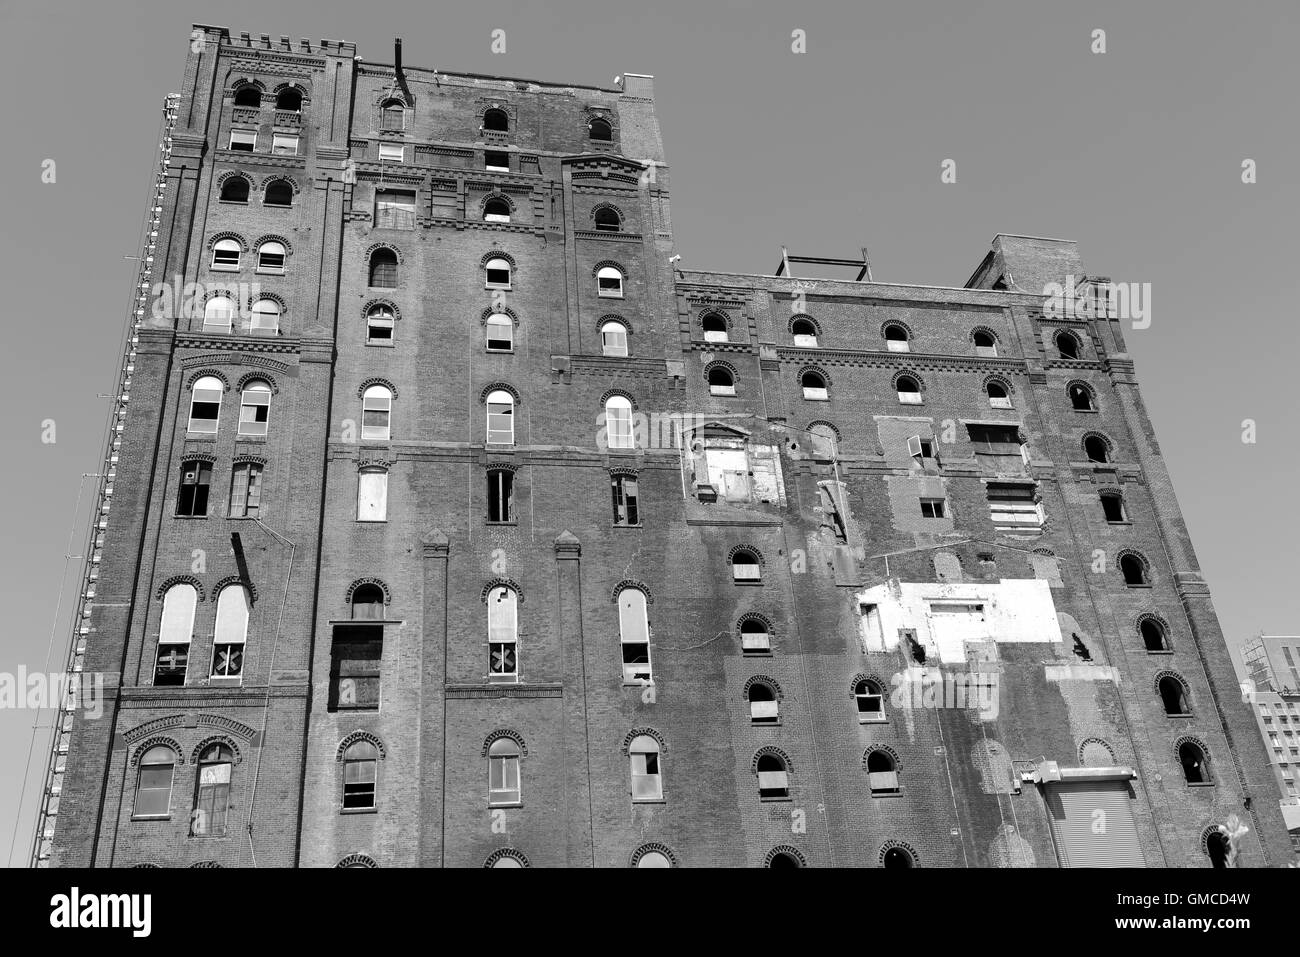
(813, 385)
(153, 791)
(763, 706)
(613, 338)
(234, 190)
(266, 316)
(500, 333)
(985, 344)
(998, 397)
(715, 327)
(278, 193)
(498, 273)
(1195, 763)
(773, 777)
(368, 602)
(1154, 636)
(376, 413)
(496, 120)
(1067, 345)
(783, 860)
(600, 130)
(1096, 448)
(618, 422)
(226, 253)
(380, 322)
(496, 210)
(248, 95)
(607, 220)
(909, 390)
(721, 381)
(1134, 570)
(897, 857)
(1173, 696)
(754, 637)
(897, 339)
(219, 313)
(289, 100)
(255, 408)
(804, 332)
(1081, 399)
(609, 282)
(501, 418)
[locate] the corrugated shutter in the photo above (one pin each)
(1092, 824)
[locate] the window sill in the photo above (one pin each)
(499, 352)
(380, 287)
(617, 525)
(1137, 587)
(200, 436)
(249, 437)
(381, 343)
(188, 518)
(756, 654)
(372, 521)
(785, 799)
(1200, 784)
(764, 724)
(873, 721)
(493, 285)
(1085, 411)
(875, 795)
(1125, 522)
(358, 810)
(233, 202)
(747, 584)
(499, 524)
(1160, 651)
(640, 683)
(269, 272)
(658, 800)
(494, 804)
(813, 398)
(151, 817)
(1186, 715)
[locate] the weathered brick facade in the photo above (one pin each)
(971, 787)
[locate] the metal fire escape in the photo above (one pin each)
(82, 632)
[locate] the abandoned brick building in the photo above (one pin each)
(454, 524)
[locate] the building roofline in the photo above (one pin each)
(492, 76)
(861, 284)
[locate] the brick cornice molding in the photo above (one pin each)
(567, 547)
(435, 544)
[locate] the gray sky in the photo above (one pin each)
(1135, 153)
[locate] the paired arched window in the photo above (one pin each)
(609, 282)
(225, 254)
(496, 120)
(882, 772)
(367, 603)
(380, 323)
(504, 786)
(985, 346)
(897, 339)
(503, 633)
(998, 398)
(234, 190)
(618, 422)
(248, 95)
(634, 636)
(613, 338)
(496, 210)
(231, 632)
(218, 314)
(814, 386)
(277, 193)
(805, 333)
(721, 381)
(773, 777)
(500, 333)
(909, 390)
(600, 130)
(870, 700)
(360, 776)
(266, 316)
(270, 257)
(383, 268)
(763, 706)
(1081, 398)
(289, 99)
(153, 783)
(498, 273)
(205, 405)
(647, 780)
(376, 413)
(174, 634)
(212, 792)
(500, 418)
(255, 408)
(715, 327)
(606, 219)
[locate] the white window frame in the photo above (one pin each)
(618, 423)
(377, 399)
(243, 136)
(263, 251)
(210, 311)
(256, 396)
(258, 317)
(229, 632)
(499, 320)
(650, 783)
(504, 753)
(380, 317)
(501, 421)
(498, 264)
(226, 246)
(503, 630)
(609, 292)
(208, 385)
(613, 339)
(387, 150)
(634, 629)
(280, 143)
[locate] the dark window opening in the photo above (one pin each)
(715, 328)
(932, 508)
(1081, 398)
(278, 193)
(496, 120)
(762, 704)
(496, 210)
(290, 99)
(1134, 570)
(383, 268)
(870, 701)
(897, 857)
(607, 220)
(496, 161)
(196, 481)
(599, 129)
(1196, 767)
(1153, 636)
(234, 190)
(773, 777)
(1096, 449)
(625, 490)
(368, 602)
(1067, 345)
(784, 861)
(1173, 696)
(882, 773)
(248, 96)
(501, 495)
(1113, 507)
(173, 661)
(985, 344)
(355, 667)
(1217, 846)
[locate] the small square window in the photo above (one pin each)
(496, 162)
(243, 141)
(392, 153)
(932, 508)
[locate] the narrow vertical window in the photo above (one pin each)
(153, 785)
(231, 632)
(212, 792)
(634, 636)
(245, 491)
(196, 483)
(360, 776)
(255, 408)
(503, 773)
(503, 633)
(372, 495)
(379, 325)
(618, 422)
(501, 495)
(647, 782)
(205, 405)
(218, 314)
(266, 316)
(500, 333)
(501, 418)
(376, 412)
(613, 339)
(626, 511)
(609, 283)
(174, 634)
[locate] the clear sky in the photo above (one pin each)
(1135, 153)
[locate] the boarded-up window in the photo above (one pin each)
(1092, 824)
(372, 495)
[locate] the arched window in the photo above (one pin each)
(270, 257)
(998, 398)
(498, 274)
(814, 386)
(383, 268)
(225, 255)
(500, 333)
(870, 699)
(745, 567)
(153, 784)
(896, 339)
(1217, 846)
(825, 443)
(212, 792)
(607, 220)
(360, 776)
(218, 314)
(278, 193)
(1153, 634)
(501, 418)
(248, 95)
(600, 130)
(231, 632)
(265, 317)
(367, 603)
(1095, 447)
(496, 210)
(721, 381)
(985, 346)
(609, 283)
(376, 413)
(503, 773)
(773, 777)
(784, 861)
(1134, 570)
(234, 190)
(496, 120)
(1067, 345)
(653, 859)
(897, 857)
(1112, 506)
(289, 99)
(503, 633)
(618, 422)
(763, 706)
(715, 327)
(647, 781)
(634, 636)
(1081, 398)
(255, 408)
(1195, 763)
(1173, 696)
(882, 773)
(393, 115)
(508, 859)
(380, 323)
(205, 405)
(613, 339)
(174, 634)
(372, 495)
(909, 390)
(754, 637)
(805, 333)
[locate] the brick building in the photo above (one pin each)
(452, 524)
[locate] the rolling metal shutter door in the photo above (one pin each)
(1085, 838)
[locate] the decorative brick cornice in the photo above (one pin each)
(150, 727)
(227, 724)
(222, 739)
(157, 740)
(241, 343)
